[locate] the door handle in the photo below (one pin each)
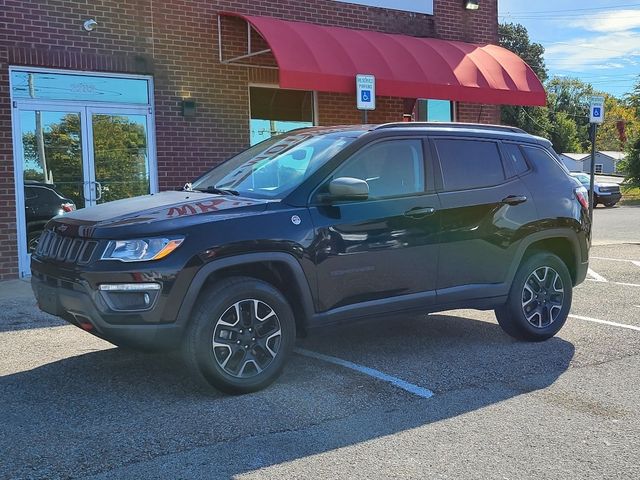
(420, 212)
(514, 199)
(98, 190)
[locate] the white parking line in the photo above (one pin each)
(395, 381)
(635, 262)
(596, 276)
(605, 322)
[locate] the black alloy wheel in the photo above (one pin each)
(240, 335)
(539, 299)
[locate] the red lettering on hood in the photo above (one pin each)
(181, 211)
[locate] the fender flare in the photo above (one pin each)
(200, 278)
(562, 233)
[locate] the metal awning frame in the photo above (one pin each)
(237, 61)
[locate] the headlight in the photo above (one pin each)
(141, 250)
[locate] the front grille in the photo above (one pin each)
(610, 189)
(65, 249)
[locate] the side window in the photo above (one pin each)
(544, 160)
(391, 168)
(469, 163)
(46, 195)
(515, 158)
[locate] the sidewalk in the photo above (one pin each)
(15, 289)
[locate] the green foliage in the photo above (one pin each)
(564, 134)
(572, 96)
(632, 162)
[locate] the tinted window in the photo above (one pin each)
(543, 160)
(515, 158)
(469, 163)
(391, 168)
(45, 195)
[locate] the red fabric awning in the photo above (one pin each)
(327, 59)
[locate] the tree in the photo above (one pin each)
(572, 96)
(620, 122)
(632, 99)
(535, 120)
(564, 134)
(632, 162)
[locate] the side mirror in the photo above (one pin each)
(347, 188)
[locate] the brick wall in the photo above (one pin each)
(176, 42)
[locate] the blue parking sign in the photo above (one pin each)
(366, 92)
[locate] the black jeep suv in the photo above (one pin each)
(321, 226)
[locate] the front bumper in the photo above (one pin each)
(608, 197)
(83, 307)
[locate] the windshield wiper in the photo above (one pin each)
(217, 191)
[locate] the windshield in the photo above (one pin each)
(583, 179)
(273, 168)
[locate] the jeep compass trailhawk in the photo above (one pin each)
(318, 227)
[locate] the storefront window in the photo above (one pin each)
(433, 111)
(275, 111)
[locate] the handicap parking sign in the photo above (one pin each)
(596, 110)
(366, 92)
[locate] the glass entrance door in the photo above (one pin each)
(120, 151)
(80, 139)
(54, 166)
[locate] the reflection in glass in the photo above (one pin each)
(121, 156)
(62, 86)
(52, 167)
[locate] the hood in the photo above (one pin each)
(149, 209)
(607, 184)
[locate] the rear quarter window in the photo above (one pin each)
(468, 163)
(544, 160)
(515, 159)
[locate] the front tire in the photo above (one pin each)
(241, 333)
(539, 299)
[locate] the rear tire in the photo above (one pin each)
(539, 299)
(241, 333)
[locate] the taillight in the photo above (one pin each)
(68, 207)
(583, 197)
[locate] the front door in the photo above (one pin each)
(385, 246)
(75, 147)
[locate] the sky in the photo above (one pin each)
(597, 41)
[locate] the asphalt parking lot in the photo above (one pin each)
(454, 398)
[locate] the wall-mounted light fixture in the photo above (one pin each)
(472, 4)
(90, 25)
(188, 107)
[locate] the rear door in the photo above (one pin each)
(385, 246)
(486, 209)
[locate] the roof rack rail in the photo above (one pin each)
(478, 126)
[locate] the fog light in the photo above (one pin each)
(129, 297)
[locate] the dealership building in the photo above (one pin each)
(110, 99)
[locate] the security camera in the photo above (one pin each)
(90, 25)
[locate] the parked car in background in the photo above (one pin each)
(605, 193)
(318, 227)
(42, 202)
